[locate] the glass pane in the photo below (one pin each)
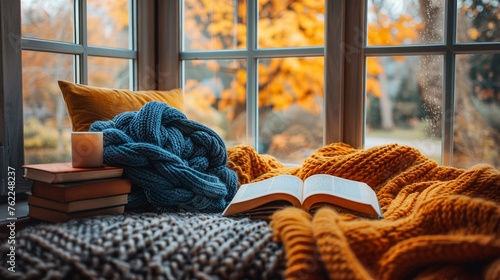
(290, 107)
(47, 129)
(395, 23)
(477, 110)
(403, 102)
(50, 20)
(215, 95)
(291, 23)
(478, 21)
(108, 23)
(214, 25)
(109, 72)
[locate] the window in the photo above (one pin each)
(88, 42)
(419, 73)
(431, 79)
(84, 41)
(253, 71)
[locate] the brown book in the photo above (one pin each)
(54, 216)
(261, 199)
(78, 205)
(61, 172)
(72, 191)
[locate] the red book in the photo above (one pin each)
(54, 216)
(64, 172)
(72, 191)
(78, 205)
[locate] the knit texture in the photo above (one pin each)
(146, 246)
(173, 162)
(439, 222)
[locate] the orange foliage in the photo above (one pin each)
(385, 31)
(53, 20)
(219, 25)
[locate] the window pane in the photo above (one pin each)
(477, 110)
(47, 129)
(478, 21)
(214, 24)
(109, 72)
(291, 23)
(290, 107)
(108, 23)
(403, 102)
(50, 20)
(215, 95)
(395, 23)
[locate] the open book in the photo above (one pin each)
(261, 199)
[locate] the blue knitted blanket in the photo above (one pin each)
(173, 162)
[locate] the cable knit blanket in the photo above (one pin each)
(439, 222)
(173, 162)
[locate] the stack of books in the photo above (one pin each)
(61, 192)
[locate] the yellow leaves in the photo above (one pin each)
(212, 65)
(234, 95)
(284, 82)
(380, 36)
(373, 87)
(241, 76)
(117, 10)
(200, 97)
(282, 23)
(373, 66)
(291, 23)
(473, 33)
(214, 24)
(389, 32)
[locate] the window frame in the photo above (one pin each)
(11, 120)
(449, 49)
(345, 54)
(342, 69)
(11, 128)
(251, 54)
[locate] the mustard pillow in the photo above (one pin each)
(87, 104)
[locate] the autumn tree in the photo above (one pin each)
(283, 83)
(46, 123)
(477, 93)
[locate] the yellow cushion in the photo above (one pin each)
(87, 104)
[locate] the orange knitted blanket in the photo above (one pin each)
(439, 222)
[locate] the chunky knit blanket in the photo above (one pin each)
(172, 161)
(146, 246)
(439, 222)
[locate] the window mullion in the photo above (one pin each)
(448, 103)
(334, 72)
(133, 43)
(252, 80)
(353, 57)
(81, 39)
(11, 98)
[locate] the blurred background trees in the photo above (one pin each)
(46, 124)
(403, 93)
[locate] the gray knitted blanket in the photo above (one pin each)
(147, 246)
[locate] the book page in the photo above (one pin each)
(280, 184)
(344, 188)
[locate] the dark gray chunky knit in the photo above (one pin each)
(147, 246)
